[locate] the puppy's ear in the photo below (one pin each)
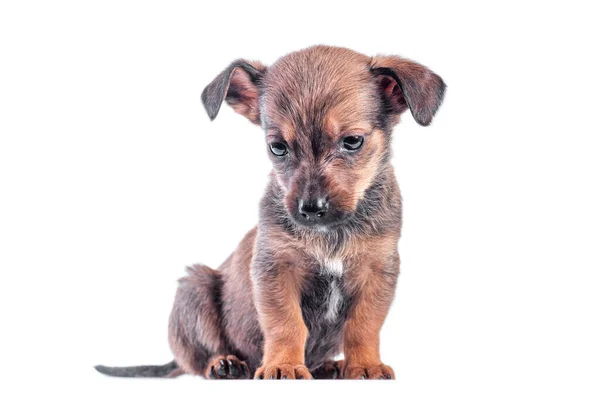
(238, 86)
(406, 84)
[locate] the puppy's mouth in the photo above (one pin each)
(319, 214)
(323, 223)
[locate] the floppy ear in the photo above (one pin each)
(406, 84)
(238, 86)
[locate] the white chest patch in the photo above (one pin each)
(334, 266)
(334, 301)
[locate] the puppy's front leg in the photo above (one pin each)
(277, 296)
(361, 333)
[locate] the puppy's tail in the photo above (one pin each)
(170, 370)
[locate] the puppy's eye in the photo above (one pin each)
(278, 148)
(353, 143)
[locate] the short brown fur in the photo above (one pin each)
(317, 276)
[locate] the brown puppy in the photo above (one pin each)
(317, 276)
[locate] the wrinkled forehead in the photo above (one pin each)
(318, 92)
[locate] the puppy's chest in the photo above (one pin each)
(324, 297)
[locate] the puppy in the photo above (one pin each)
(317, 276)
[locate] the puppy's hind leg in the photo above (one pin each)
(196, 335)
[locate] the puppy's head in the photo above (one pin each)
(328, 114)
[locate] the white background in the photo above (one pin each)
(113, 179)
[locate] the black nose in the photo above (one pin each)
(313, 210)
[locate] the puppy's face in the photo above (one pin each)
(327, 113)
(321, 114)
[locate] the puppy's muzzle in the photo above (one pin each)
(314, 211)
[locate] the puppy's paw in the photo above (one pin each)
(380, 371)
(329, 370)
(282, 371)
(227, 367)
